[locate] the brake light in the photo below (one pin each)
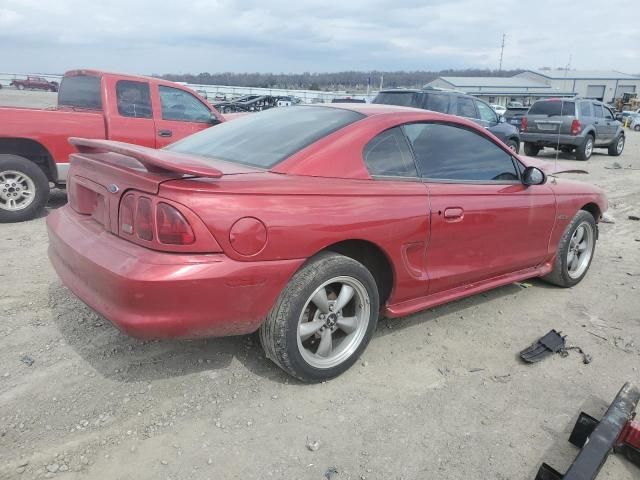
(126, 214)
(173, 228)
(523, 124)
(144, 219)
(575, 127)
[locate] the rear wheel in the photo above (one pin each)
(617, 146)
(584, 151)
(575, 251)
(530, 149)
(24, 189)
(323, 319)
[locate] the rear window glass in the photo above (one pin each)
(436, 102)
(553, 108)
(266, 138)
(401, 99)
(82, 91)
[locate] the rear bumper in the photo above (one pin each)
(150, 294)
(551, 139)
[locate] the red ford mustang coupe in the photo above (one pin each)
(307, 223)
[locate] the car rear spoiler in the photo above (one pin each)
(155, 161)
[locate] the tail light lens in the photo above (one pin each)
(524, 124)
(575, 127)
(144, 219)
(126, 214)
(173, 228)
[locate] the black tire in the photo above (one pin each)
(585, 149)
(637, 128)
(531, 150)
(279, 332)
(615, 149)
(513, 144)
(560, 275)
(39, 181)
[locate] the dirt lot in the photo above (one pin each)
(439, 395)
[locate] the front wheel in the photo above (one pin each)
(24, 189)
(575, 251)
(513, 145)
(530, 149)
(323, 319)
(617, 146)
(637, 128)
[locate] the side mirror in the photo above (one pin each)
(533, 176)
(214, 120)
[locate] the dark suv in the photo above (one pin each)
(453, 103)
(579, 124)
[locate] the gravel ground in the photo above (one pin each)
(440, 394)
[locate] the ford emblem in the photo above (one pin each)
(113, 188)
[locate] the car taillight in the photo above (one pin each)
(523, 124)
(126, 214)
(173, 228)
(575, 127)
(144, 219)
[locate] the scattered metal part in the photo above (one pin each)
(331, 471)
(599, 336)
(633, 217)
(552, 342)
(615, 432)
(27, 360)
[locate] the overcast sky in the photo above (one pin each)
(145, 36)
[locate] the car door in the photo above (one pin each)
(130, 117)
(602, 129)
(179, 114)
(484, 221)
(610, 122)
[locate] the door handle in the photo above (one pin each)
(453, 213)
(165, 133)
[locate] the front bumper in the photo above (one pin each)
(551, 139)
(151, 294)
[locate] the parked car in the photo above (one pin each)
(635, 122)
(579, 124)
(305, 222)
(514, 115)
(35, 83)
(453, 103)
(499, 109)
(34, 147)
(623, 116)
(348, 100)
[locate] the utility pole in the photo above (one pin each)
(502, 52)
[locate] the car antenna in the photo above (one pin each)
(564, 83)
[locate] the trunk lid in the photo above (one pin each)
(104, 171)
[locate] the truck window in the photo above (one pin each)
(182, 106)
(134, 99)
(436, 102)
(82, 91)
(466, 108)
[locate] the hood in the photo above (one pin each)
(550, 168)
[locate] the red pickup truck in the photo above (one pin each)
(34, 83)
(34, 151)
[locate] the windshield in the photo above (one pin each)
(401, 99)
(553, 108)
(266, 138)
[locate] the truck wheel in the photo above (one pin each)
(637, 128)
(617, 146)
(24, 189)
(584, 151)
(323, 319)
(531, 150)
(20, 86)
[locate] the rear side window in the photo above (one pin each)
(447, 152)
(598, 110)
(82, 91)
(585, 109)
(266, 138)
(389, 155)
(436, 102)
(134, 99)
(553, 108)
(182, 106)
(401, 99)
(466, 108)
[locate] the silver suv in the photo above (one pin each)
(579, 124)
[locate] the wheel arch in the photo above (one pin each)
(33, 151)
(373, 257)
(593, 209)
